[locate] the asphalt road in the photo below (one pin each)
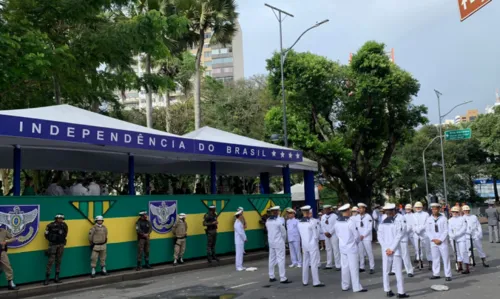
(225, 283)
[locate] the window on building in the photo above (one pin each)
(208, 54)
(208, 73)
(215, 51)
(227, 70)
(224, 51)
(206, 46)
(208, 35)
(207, 63)
(216, 71)
(222, 60)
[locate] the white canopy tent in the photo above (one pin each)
(68, 138)
(298, 193)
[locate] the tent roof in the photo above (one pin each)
(298, 192)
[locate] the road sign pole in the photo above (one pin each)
(442, 149)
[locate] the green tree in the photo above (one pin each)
(216, 16)
(350, 118)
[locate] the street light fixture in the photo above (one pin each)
(280, 18)
(438, 94)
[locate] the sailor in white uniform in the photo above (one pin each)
(410, 223)
(239, 241)
(457, 229)
(293, 239)
(331, 241)
(365, 229)
(403, 245)
(348, 235)
(309, 234)
(276, 235)
(390, 233)
(419, 228)
(436, 229)
(475, 232)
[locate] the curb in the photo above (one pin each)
(82, 282)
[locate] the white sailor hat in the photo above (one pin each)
(354, 209)
(59, 216)
(305, 208)
(344, 207)
(327, 206)
(435, 205)
(290, 211)
(240, 209)
(211, 207)
(362, 205)
(275, 208)
(238, 213)
(142, 213)
(408, 207)
(182, 215)
(389, 206)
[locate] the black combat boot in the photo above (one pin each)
(56, 279)
(430, 266)
(12, 286)
(466, 269)
(147, 265)
(47, 279)
(215, 257)
(460, 269)
(484, 263)
(209, 257)
(139, 267)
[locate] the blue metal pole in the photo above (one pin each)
(264, 183)
(131, 172)
(148, 187)
(17, 170)
(309, 187)
(213, 178)
(287, 187)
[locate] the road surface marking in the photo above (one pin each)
(242, 285)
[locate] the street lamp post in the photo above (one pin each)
(438, 94)
(425, 168)
(280, 18)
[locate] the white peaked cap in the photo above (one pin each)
(305, 208)
(435, 205)
(362, 205)
(389, 206)
(275, 208)
(182, 215)
(238, 213)
(408, 206)
(344, 207)
(418, 204)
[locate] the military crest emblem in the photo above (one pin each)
(162, 215)
(21, 221)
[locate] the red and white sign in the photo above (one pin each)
(469, 7)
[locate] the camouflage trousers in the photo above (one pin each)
(211, 242)
(55, 253)
(142, 248)
(179, 248)
(101, 254)
(5, 266)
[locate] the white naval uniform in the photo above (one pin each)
(457, 229)
(419, 229)
(79, 190)
(390, 232)
(94, 189)
(365, 229)
(475, 230)
(294, 241)
(438, 229)
(276, 235)
(239, 243)
(348, 235)
(309, 234)
(55, 190)
(410, 223)
(332, 243)
(405, 252)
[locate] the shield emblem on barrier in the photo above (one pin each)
(162, 215)
(21, 221)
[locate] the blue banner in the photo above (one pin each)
(60, 131)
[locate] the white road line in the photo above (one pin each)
(242, 285)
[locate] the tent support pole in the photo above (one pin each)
(148, 187)
(213, 178)
(264, 183)
(287, 188)
(17, 170)
(310, 199)
(131, 170)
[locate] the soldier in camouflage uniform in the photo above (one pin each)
(180, 234)
(143, 228)
(56, 233)
(210, 221)
(5, 239)
(98, 237)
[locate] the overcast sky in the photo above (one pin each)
(460, 59)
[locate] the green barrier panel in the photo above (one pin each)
(120, 212)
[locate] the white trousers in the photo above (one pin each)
(350, 271)
(366, 246)
(277, 257)
(240, 248)
(425, 247)
(405, 257)
(332, 251)
(462, 252)
(493, 230)
(311, 259)
(438, 253)
(478, 245)
(395, 262)
(413, 241)
(295, 255)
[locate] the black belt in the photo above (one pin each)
(98, 244)
(180, 238)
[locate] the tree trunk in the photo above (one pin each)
(57, 90)
(149, 97)
(495, 188)
(197, 81)
(5, 178)
(167, 111)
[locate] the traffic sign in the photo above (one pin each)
(469, 7)
(458, 134)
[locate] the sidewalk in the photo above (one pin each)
(82, 282)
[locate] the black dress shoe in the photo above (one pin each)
(319, 285)
(448, 279)
(272, 279)
(435, 277)
(363, 291)
(285, 281)
(410, 275)
(372, 271)
(305, 284)
(328, 268)
(403, 295)
(361, 270)
(337, 269)
(466, 272)
(389, 294)
(392, 274)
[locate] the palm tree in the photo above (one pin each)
(216, 16)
